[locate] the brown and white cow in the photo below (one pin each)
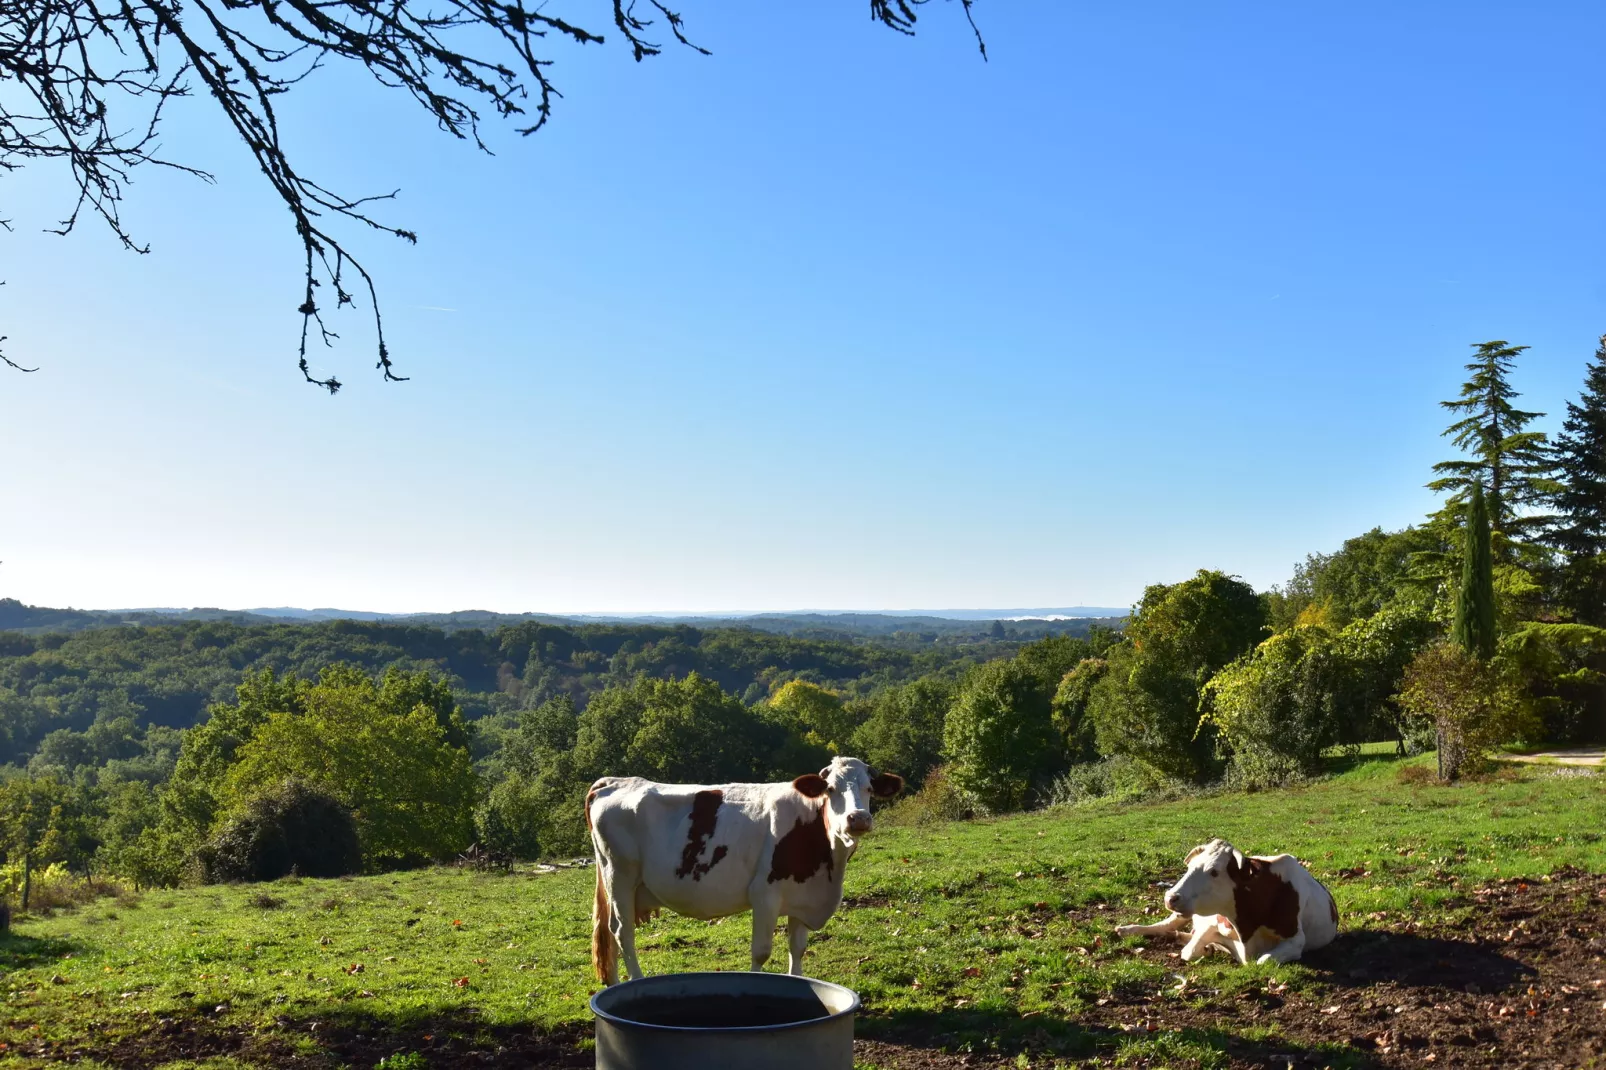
(709, 852)
(1275, 908)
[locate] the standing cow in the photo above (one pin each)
(708, 852)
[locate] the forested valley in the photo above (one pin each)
(226, 749)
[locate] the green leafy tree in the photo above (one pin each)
(1511, 463)
(1474, 626)
(1578, 529)
(1561, 672)
(412, 791)
(1147, 705)
(1376, 650)
(999, 737)
(510, 821)
(43, 820)
(692, 732)
(905, 728)
(1367, 573)
(190, 803)
(1278, 707)
(818, 715)
(1072, 720)
(1470, 703)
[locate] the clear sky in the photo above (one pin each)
(832, 318)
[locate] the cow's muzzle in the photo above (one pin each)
(1173, 902)
(859, 822)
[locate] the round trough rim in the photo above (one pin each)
(614, 1019)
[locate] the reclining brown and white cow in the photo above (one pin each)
(709, 852)
(1273, 908)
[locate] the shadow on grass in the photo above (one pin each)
(24, 952)
(1335, 764)
(1362, 958)
(355, 1040)
(1005, 1033)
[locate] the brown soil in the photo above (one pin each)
(1522, 983)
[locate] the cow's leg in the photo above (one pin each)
(622, 894)
(766, 912)
(797, 938)
(1174, 924)
(1287, 951)
(1215, 931)
(1203, 937)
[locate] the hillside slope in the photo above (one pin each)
(990, 936)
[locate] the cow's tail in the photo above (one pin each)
(603, 951)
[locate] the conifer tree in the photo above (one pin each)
(1474, 627)
(1578, 528)
(1510, 463)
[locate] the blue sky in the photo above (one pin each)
(832, 318)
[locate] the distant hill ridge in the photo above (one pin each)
(17, 617)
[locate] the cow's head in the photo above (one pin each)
(1210, 883)
(848, 785)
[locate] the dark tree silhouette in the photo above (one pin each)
(85, 82)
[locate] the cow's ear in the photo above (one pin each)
(885, 785)
(1195, 853)
(811, 784)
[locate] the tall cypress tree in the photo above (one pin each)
(1510, 463)
(1578, 529)
(1474, 626)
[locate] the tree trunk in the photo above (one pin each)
(27, 879)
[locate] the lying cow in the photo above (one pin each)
(708, 852)
(1277, 909)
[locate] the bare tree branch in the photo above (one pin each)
(71, 60)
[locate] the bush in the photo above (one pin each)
(1471, 705)
(509, 823)
(1278, 707)
(292, 828)
(1117, 779)
(938, 800)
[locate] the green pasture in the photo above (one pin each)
(994, 934)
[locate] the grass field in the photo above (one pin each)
(986, 937)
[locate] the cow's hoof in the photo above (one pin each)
(1267, 959)
(1126, 930)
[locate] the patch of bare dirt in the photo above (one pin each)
(1520, 983)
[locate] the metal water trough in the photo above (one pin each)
(699, 1021)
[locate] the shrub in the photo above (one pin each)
(1471, 704)
(1117, 779)
(938, 800)
(509, 822)
(293, 827)
(50, 887)
(1278, 707)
